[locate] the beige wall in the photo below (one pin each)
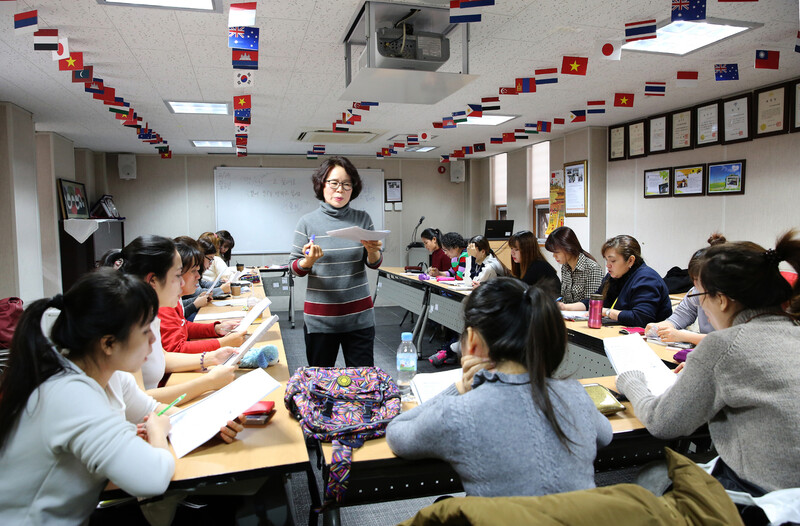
(518, 185)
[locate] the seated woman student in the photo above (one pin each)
(455, 248)
(581, 275)
(226, 244)
(179, 335)
(200, 297)
(673, 329)
(431, 238)
(69, 407)
(633, 293)
(743, 379)
(154, 260)
(218, 265)
(485, 264)
(508, 427)
(529, 265)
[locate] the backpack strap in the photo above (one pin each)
(339, 470)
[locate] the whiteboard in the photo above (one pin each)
(260, 207)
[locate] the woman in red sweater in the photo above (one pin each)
(180, 335)
(432, 238)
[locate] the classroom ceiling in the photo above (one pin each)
(151, 55)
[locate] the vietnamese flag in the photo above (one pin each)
(73, 62)
(241, 102)
(574, 65)
(623, 100)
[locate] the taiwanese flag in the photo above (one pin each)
(767, 59)
(241, 102)
(72, 63)
(84, 75)
(623, 100)
(574, 65)
(526, 85)
(509, 137)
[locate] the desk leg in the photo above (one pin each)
(377, 286)
(291, 298)
(419, 327)
(331, 517)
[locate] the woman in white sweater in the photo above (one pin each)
(67, 405)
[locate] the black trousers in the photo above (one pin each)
(357, 346)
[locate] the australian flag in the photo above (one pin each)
(688, 10)
(726, 71)
(243, 38)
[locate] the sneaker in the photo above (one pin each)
(451, 359)
(438, 358)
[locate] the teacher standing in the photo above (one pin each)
(338, 307)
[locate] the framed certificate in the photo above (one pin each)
(658, 134)
(576, 189)
(616, 143)
(681, 128)
(658, 182)
(637, 139)
(689, 180)
(726, 178)
(795, 93)
(771, 110)
(706, 124)
(736, 118)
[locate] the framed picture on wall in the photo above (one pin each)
(689, 180)
(771, 110)
(658, 134)
(541, 218)
(706, 124)
(393, 190)
(736, 118)
(726, 178)
(658, 182)
(576, 186)
(616, 143)
(637, 139)
(794, 91)
(72, 197)
(681, 128)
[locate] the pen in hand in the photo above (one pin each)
(312, 240)
(177, 400)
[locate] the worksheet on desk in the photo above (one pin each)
(629, 353)
(199, 422)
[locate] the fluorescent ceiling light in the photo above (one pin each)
(205, 108)
(193, 5)
(489, 120)
(212, 144)
(420, 149)
(682, 37)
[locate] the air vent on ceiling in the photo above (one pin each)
(331, 137)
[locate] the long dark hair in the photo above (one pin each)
(749, 274)
(101, 303)
(521, 323)
(190, 252)
(144, 255)
(432, 233)
(563, 238)
(226, 237)
(320, 175)
(529, 252)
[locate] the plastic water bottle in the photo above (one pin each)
(406, 363)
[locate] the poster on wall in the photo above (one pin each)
(656, 182)
(575, 189)
(726, 178)
(688, 180)
(556, 218)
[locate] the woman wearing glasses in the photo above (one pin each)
(338, 308)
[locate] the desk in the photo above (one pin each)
(377, 475)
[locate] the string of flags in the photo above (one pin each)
(49, 39)
(243, 41)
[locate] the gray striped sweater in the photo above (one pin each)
(337, 295)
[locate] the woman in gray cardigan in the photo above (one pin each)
(743, 378)
(338, 307)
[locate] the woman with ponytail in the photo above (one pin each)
(432, 240)
(155, 260)
(69, 405)
(543, 433)
(743, 379)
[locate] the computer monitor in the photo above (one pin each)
(498, 229)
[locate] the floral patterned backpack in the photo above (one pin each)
(345, 406)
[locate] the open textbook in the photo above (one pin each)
(194, 425)
(629, 353)
(427, 385)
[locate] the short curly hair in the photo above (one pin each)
(321, 175)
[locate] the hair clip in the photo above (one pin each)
(772, 257)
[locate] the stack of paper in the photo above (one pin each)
(631, 353)
(427, 385)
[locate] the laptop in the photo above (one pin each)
(499, 229)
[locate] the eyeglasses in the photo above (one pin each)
(696, 294)
(334, 185)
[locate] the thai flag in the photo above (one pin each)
(642, 30)
(319, 148)
(412, 140)
(655, 89)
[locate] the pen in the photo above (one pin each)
(312, 240)
(181, 397)
(559, 298)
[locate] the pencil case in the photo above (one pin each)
(445, 279)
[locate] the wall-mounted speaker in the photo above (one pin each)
(126, 164)
(457, 171)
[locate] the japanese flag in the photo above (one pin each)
(63, 49)
(424, 136)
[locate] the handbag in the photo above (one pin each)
(10, 313)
